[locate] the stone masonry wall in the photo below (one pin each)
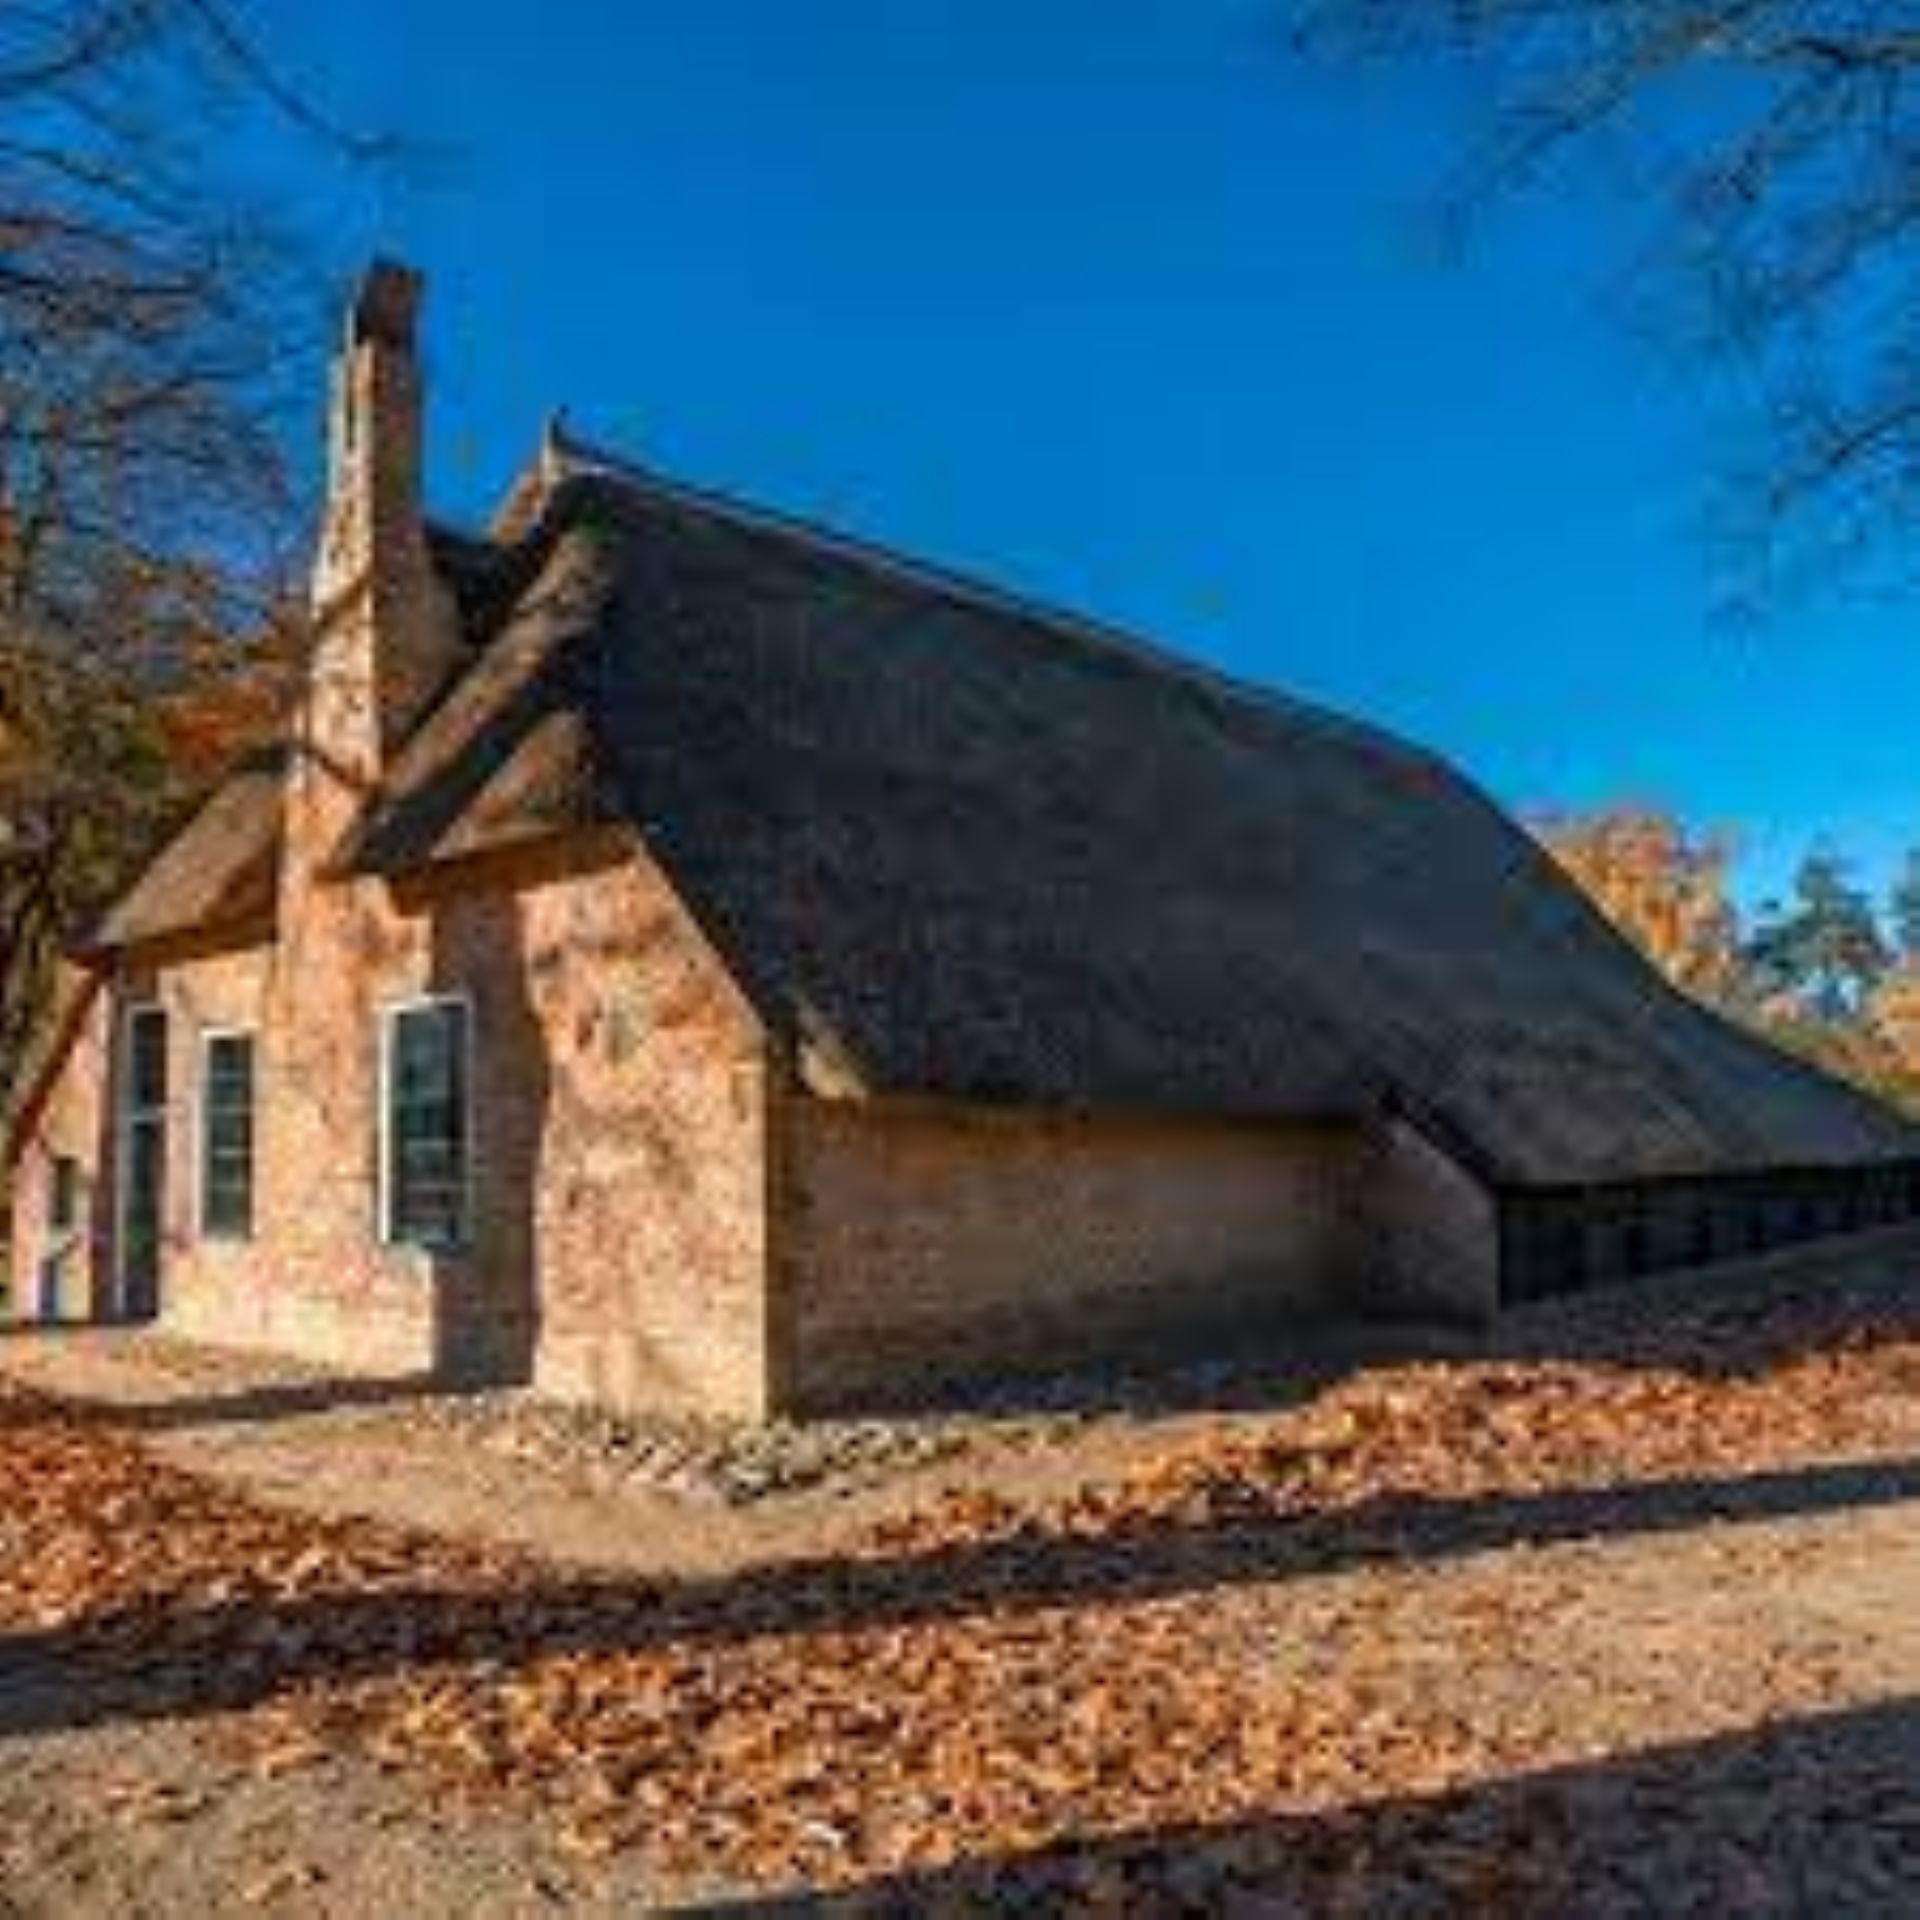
(204, 1283)
(652, 1222)
(616, 1250)
(920, 1246)
(618, 1242)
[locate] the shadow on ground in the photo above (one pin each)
(1816, 1817)
(168, 1660)
(180, 1411)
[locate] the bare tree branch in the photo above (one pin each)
(150, 310)
(1783, 206)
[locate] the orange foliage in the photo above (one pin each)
(235, 700)
(1664, 887)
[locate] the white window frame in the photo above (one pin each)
(390, 1017)
(125, 1118)
(207, 1036)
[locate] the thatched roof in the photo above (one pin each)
(220, 869)
(970, 849)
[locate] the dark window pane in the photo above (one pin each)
(226, 1137)
(63, 1195)
(146, 1149)
(427, 1125)
(147, 1060)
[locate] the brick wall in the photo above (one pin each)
(616, 1243)
(917, 1246)
(651, 1227)
(205, 1284)
(617, 1250)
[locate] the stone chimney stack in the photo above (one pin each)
(385, 631)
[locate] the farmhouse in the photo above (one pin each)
(682, 957)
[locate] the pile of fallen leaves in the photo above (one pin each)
(981, 1681)
(1418, 1443)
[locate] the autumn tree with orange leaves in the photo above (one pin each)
(1662, 884)
(1828, 974)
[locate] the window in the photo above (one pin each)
(226, 1136)
(147, 1060)
(141, 1183)
(63, 1195)
(424, 1142)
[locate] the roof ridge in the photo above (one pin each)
(573, 454)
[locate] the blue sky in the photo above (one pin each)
(1112, 301)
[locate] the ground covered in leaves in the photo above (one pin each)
(1623, 1617)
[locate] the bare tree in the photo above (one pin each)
(151, 317)
(1775, 147)
(144, 311)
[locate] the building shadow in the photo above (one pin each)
(487, 1291)
(1813, 1817)
(166, 1659)
(259, 1405)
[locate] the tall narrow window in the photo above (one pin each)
(424, 1176)
(141, 1179)
(226, 1136)
(63, 1195)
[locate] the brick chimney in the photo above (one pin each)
(385, 632)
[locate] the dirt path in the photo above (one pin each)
(504, 1471)
(166, 1820)
(1622, 1619)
